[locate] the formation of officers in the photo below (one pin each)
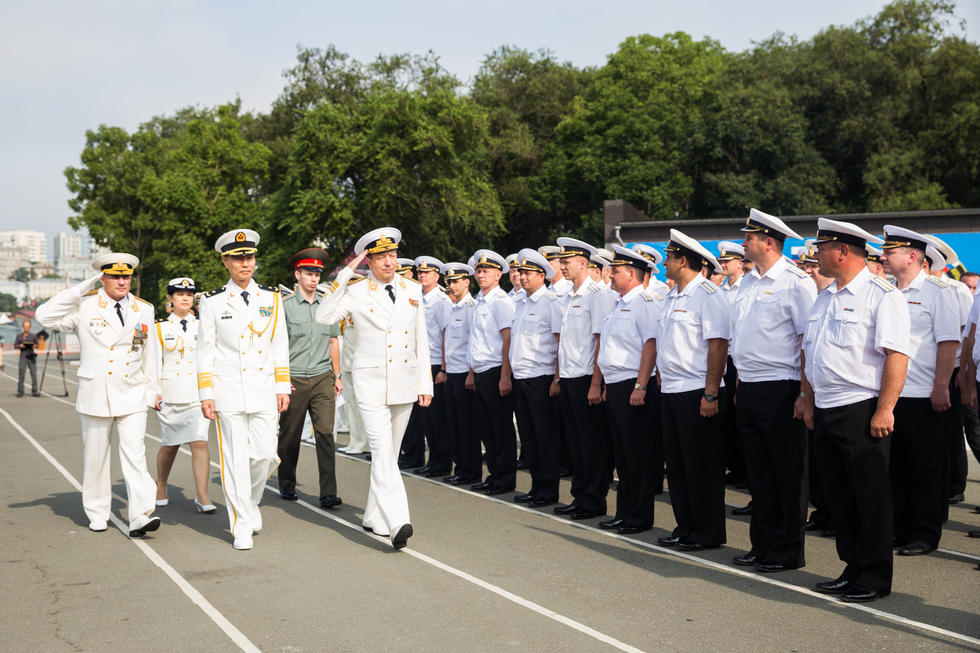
(835, 384)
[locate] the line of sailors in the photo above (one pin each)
(636, 375)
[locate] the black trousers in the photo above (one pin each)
(314, 394)
(818, 498)
(971, 427)
(428, 424)
(500, 441)
(413, 443)
(956, 465)
(775, 447)
(917, 470)
(585, 429)
(732, 451)
(694, 472)
(537, 422)
(464, 433)
(854, 470)
(631, 430)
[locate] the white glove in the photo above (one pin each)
(84, 287)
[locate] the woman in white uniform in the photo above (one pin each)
(181, 420)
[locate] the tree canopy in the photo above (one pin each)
(880, 115)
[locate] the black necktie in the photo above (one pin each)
(391, 292)
(183, 324)
(245, 297)
(119, 313)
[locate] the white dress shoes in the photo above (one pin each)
(258, 522)
(143, 525)
(207, 509)
(163, 502)
(243, 542)
(97, 526)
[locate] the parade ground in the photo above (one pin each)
(480, 574)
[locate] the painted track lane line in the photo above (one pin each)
(235, 635)
(888, 616)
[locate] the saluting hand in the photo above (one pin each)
(357, 260)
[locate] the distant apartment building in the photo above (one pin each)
(73, 255)
(33, 243)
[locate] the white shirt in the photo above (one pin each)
(177, 359)
(561, 287)
(517, 294)
(731, 289)
(768, 321)
(437, 306)
(934, 318)
(964, 297)
(634, 319)
(657, 286)
(494, 311)
(690, 319)
(846, 335)
(583, 313)
(974, 317)
(533, 347)
(457, 334)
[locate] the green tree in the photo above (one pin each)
(8, 303)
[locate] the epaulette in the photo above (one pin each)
(708, 286)
(140, 299)
(269, 288)
(938, 282)
(162, 319)
(470, 301)
(91, 292)
(650, 295)
(410, 279)
(216, 291)
(550, 295)
(798, 272)
(881, 283)
(353, 281)
(594, 288)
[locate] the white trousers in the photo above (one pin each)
(247, 449)
(96, 480)
(387, 503)
(358, 438)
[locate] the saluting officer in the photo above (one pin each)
(585, 309)
(243, 379)
(433, 417)
(918, 463)
(391, 369)
(856, 349)
(116, 384)
(769, 319)
(487, 347)
(463, 434)
(534, 360)
(179, 406)
(627, 357)
(692, 348)
(314, 365)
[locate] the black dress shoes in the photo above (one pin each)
(668, 540)
(916, 549)
(588, 514)
(744, 510)
(521, 464)
(629, 530)
(480, 487)
(494, 490)
(434, 473)
(451, 479)
(812, 525)
(463, 480)
(540, 502)
(956, 498)
(746, 559)
(329, 501)
(691, 546)
(770, 566)
(422, 471)
(570, 509)
(524, 498)
(861, 594)
(973, 533)
(838, 586)
(610, 524)
(288, 495)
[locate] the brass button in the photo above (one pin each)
(406, 332)
(389, 360)
(110, 360)
(110, 372)
(389, 347)
(243, 369)
(125, 375)
(111, 348)
(260, 351)
(406, 360)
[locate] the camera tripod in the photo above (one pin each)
(55, 342)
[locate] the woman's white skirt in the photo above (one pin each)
(183, 423)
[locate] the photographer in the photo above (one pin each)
(25, 342)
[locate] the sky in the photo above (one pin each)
(69, 66)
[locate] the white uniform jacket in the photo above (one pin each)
(177, 359)
(117, 372)
(243, 349)
(390, 341)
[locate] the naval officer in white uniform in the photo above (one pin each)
(243, 379)
(116, 384)
(390, 368)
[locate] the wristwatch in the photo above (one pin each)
(710, 397)
(639, 386)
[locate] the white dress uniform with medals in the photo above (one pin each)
(180, 415)
(390, 370)
(116, 385)
(243, 364)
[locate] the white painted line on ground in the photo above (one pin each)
(889, 616)
(235, 635)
